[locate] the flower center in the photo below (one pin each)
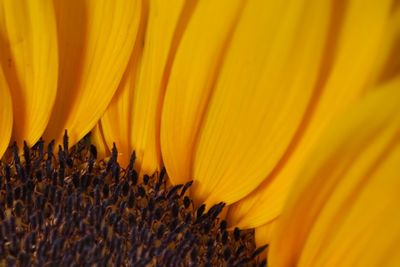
(70, 208)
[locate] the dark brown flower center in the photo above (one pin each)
(66, 208)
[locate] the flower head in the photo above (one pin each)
(231, 97)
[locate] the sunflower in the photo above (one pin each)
(284, 113)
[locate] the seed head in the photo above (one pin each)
(69, 208)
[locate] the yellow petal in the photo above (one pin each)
(116, 120)
(262, 235)
(6, 114)
(255, 109)
(99, 141)
(345, 75)
(342, 209)
(387, 64)
(264, 232)
(96, 38)
(133, 118)
(193, 75)
(28, 49)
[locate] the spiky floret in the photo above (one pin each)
(68, 208)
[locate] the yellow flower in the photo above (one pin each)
(232, 94)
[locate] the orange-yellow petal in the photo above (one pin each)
(346, 73)
(116, 120)
(133, 118)
(264, 232)
(342, 209)
(387, 65)
(28, 54)
(97, 138)
(193, 75)
(6, 114)
(255, 109)
(96, 38)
